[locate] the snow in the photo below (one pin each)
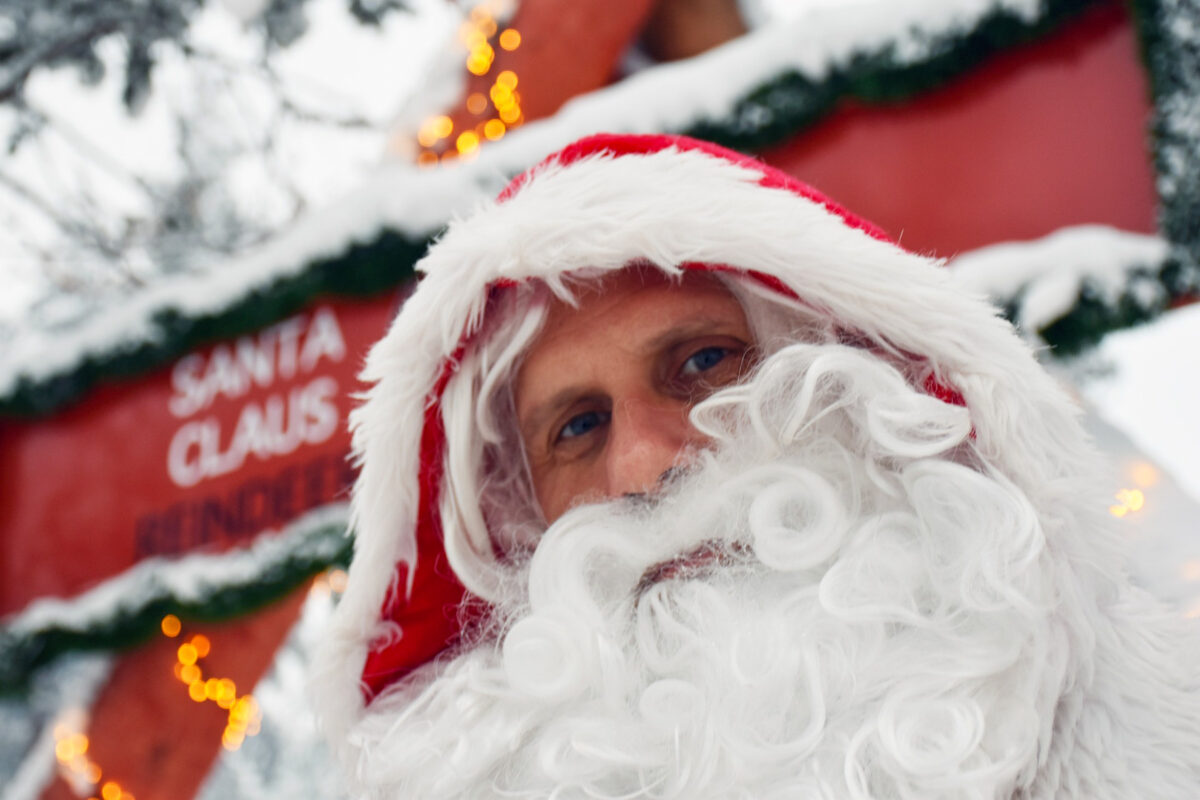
(1142, 388)
(60, 695)
(820, 36)
(1150, 388)
(98, 164)
(1048, 273)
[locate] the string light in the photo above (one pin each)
(171, 625)
(1144, 474)
(467, 142)
(477, 103)
(1128, 501)
(244, 716)
(507, 79)
(493, 129)
(76, 766)
(480, 34)
(331, 581)
(510, 39)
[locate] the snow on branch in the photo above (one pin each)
(1109, 276)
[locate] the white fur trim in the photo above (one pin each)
(669, 208)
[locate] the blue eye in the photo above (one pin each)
(583, 424)
(704, 360)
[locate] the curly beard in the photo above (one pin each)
(839, 599)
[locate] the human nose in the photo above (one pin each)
(646, 440)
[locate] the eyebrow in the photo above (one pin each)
(696, 326)
(549, 408)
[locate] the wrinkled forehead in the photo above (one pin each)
(635, 291)
(620, 314)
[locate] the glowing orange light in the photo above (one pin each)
(426, 136)
(1128, 500)
(476, 103)
(443, 126)
(92, 773)
(501, 95)
(488, 26)
(478, 65)
(337, 580)
(189, 673)
(110, 791)
(507, 79)
(1144, 474)
(427, 159)
(187, 653)
(467, 142)
(493, 129)
(171, 625)
(510, 114)
(1132, 498)
(202, 645)
(510, 39)
(196, 691)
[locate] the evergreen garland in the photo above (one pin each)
(1095, 313)
(363, 270)
(129, 608)
(791, 102)
(1170, 34)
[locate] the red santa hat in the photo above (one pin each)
(672, 203)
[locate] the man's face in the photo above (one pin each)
(605, 390)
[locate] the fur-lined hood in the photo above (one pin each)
(609, 201)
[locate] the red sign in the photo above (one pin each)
(229, 441)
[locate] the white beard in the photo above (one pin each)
(885, 620)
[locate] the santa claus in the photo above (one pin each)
(679, 481)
